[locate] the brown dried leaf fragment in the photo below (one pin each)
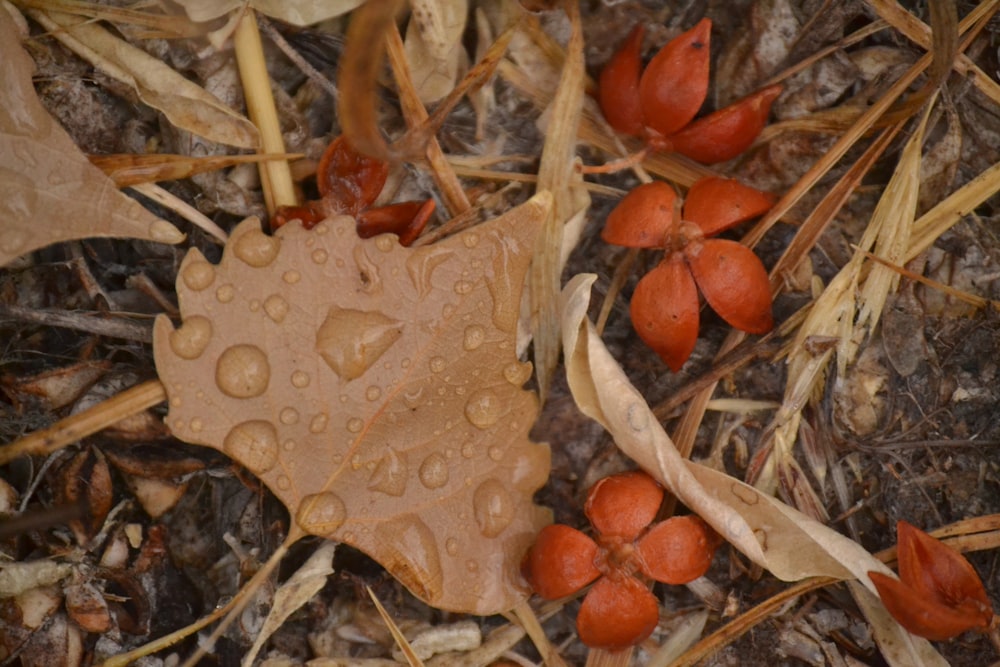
(49, 191)
(376, 390)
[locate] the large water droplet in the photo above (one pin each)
(390, 474)
(483, 409)
(433, 471)
(242, 371)
(318, 423)
(350, 341)
(225, 293)
(474, 337)
(300, 379)
(254, 444)
(198, 275)
(256, 248)
(492, 507)
(517, 373)
(276, 308)
(409, 550)
(191, 339)
(321, 513)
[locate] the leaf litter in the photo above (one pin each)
(599, 380)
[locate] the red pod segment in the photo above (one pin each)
(623, 505)
(348, 180)
(677, 550)
(618, 86)
(617, 613)
(675, 83)
(665, 311)
(561, 562)
(734, 282)
(643, 218)
(728, 132)
(716, 204)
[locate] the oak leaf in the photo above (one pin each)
(376, 390)
(49, 191)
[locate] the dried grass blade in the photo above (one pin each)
(397, 635)
(276, 176)
(952, 209)
(164, 25)
(557, 174)
(127, 169)
(416, 115)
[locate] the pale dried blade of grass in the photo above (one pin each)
(416, 115)
(293, 594)
(683, 635)
(181, 208)
(557, 174)
(890, 225)
(412, 658)
(951, 210)
(184, 103)
(914, 29)
(525, 616)
(276, 176)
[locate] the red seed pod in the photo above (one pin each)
(734, 282)
(665, 311)
(675, 83)
(924, 616)
(405, 219)
(677, 550)
(643, 218)
(723, 135)
(348, 180)
(617, 613)
(561, 562)
(623, 505)
(716, 204)
(618, 87)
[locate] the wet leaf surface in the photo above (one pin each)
(376, 391)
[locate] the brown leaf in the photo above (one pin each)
(44, 176)
(375, 390)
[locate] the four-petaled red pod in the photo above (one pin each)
(938, 594)
(661, 102)
(733, 280)
(625, 553)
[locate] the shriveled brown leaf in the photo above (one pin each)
(297, 12)
(375, 390)
(43, 176)
(434, 46)
(184, 103)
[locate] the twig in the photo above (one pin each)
(75, 427)
(88, 322)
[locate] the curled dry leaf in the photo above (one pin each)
(296, 12)
(43, 174)
(375, 390)
(434, 46)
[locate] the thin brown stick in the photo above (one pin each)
(75, 427)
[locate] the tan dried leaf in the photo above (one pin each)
(49, 191)
(375, 390)
(434, 47)
(297, 12)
